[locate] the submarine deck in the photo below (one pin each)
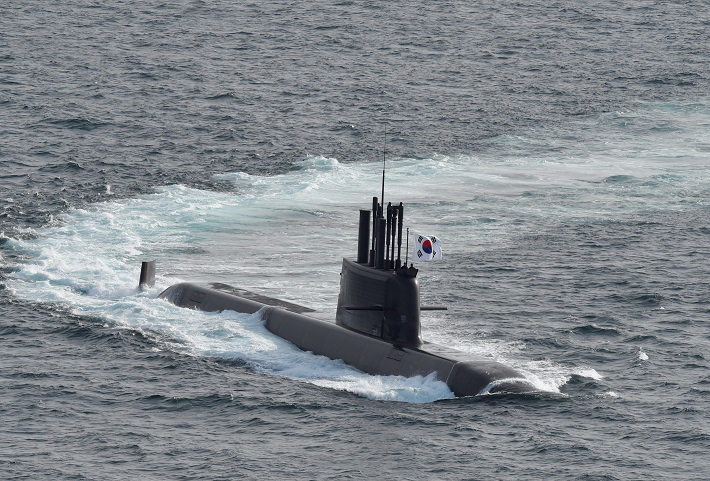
(253, 296)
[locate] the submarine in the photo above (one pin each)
(377, 327)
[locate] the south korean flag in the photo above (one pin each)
(426, 248)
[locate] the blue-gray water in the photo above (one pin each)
(560, 150)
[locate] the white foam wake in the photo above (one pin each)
(88, 262)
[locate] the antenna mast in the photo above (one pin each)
(384, 154)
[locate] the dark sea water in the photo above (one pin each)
(560, 150)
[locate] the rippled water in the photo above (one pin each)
(559, 151)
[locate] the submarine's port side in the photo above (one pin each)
(465, 375)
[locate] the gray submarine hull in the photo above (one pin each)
(464, 374)
(377, 323)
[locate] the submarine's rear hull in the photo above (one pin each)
(466, 375)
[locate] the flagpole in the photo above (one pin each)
(406, 256)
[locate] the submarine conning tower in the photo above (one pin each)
(378, 295)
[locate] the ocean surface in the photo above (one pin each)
(560, 151)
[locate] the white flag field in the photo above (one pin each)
(426, 248)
